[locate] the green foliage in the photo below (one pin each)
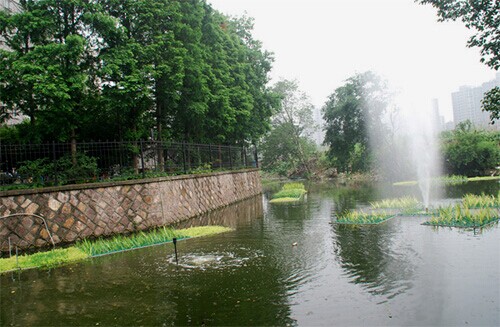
(351, 112)
(287, 148)
(123, 69)
(362, 218)
(481, 201)
(43, 172)
(407, 203)
(290, 192)
(463, 216)
(42, 259)
(87, 248)
(470, 152)
(491, 103)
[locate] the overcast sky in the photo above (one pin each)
(321, 43)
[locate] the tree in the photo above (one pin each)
(287, 147)
(469, 151)
(483, 16)
(351, 113)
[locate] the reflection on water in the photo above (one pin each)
(282, 265)
(370, 257)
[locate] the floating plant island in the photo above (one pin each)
(290, 193)
(94, 248)
(382, 211)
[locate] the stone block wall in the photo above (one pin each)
(76, 212)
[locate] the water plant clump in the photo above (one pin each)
(460, 216)
(407, 204)
(481, 201)
(89, 248)
(291, 192)
(363, 218)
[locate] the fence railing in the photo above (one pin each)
(54, 163)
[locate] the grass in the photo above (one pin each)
(459, 216)
(407, 204)
(290, 192)
(481, 201)
(89, 248)
(363, 218)
(43, 259)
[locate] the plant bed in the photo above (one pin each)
(463, 217)
(363, 218)
(290, 193)
(405, 205)
(94, 248)
(481, 201)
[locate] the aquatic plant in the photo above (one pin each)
(460, 216)
(290, 192)
(43, 259)
(407, 204)
(453, 179)
(360, 217)
(88, 248)
(481, 201)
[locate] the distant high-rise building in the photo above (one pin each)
(467, 104)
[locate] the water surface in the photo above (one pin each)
(396, 273)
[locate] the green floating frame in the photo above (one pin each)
(460, 226)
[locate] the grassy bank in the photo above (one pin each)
(90, 248)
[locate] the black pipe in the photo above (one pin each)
(174, 240)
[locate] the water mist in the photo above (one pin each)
(407, 146)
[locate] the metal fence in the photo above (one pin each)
(66, 163)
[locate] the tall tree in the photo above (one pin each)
(351, 113)
(287, 145)
(482, 16)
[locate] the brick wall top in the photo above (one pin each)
(76, 187)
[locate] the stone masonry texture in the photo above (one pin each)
(77, 212)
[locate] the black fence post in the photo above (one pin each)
(54, 160)
(142, 160)
(184, 156)
(256, 155)
(210, 155)
(230, 159)
(244, 150)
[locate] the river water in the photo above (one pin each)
(396, 273)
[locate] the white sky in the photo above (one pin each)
(323, 42)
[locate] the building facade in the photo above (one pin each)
(10, 6)
(467, 104)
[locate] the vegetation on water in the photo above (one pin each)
(481, 201)
(361, 218)
(451, 180)
(290, 192)
(88, 248)
(408, 204)
(462, 216)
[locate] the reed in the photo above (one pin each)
(481, 201)
(360, 217)
(460, 216)
(290, 192)
(407, 204)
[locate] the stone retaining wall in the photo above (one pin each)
(92, 210)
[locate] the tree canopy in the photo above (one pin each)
(352, 112)
(109, 69)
